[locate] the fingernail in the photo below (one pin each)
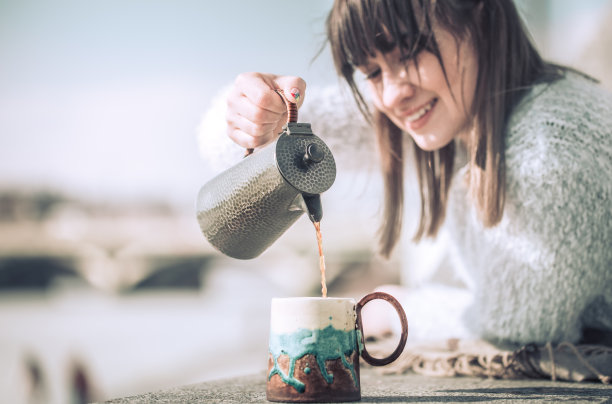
(295, 93)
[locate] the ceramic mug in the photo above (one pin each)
(315, 345)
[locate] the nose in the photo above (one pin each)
(397, 88)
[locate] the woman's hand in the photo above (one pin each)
(256, 113)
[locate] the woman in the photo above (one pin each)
(529, 215)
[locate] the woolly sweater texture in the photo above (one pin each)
(544, 273)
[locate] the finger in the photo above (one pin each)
(292, 95)
(254, 129)
(246, 140)
(243, 107)
(260, 91)
(293, 87)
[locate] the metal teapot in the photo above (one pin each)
(243, 210)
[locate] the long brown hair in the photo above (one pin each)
(508, 64)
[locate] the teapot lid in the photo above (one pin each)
(304, 160)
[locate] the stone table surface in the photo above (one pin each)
(406, 388)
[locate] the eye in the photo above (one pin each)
(369, 72)
(373, 74)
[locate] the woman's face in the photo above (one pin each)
(418, 98)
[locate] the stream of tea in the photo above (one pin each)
(317, 226)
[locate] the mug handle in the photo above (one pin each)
(403, 337)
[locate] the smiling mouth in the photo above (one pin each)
(421, 111)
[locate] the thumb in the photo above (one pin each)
(293, 87)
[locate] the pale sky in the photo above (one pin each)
(103, 98)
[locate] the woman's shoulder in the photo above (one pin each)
(558, 166)
(559, 153)
(560, 123)
(572, 103)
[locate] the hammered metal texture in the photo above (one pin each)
(309, 178)
(245, 209)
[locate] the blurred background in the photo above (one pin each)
(107, 287)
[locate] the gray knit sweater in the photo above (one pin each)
(545, 271)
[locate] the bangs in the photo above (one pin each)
(357, 28)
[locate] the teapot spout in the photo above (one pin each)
(314, 209)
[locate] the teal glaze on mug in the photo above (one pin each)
(315, 345)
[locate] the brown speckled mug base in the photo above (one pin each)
(317, 389)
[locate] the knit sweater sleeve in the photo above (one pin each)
(545, 273)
